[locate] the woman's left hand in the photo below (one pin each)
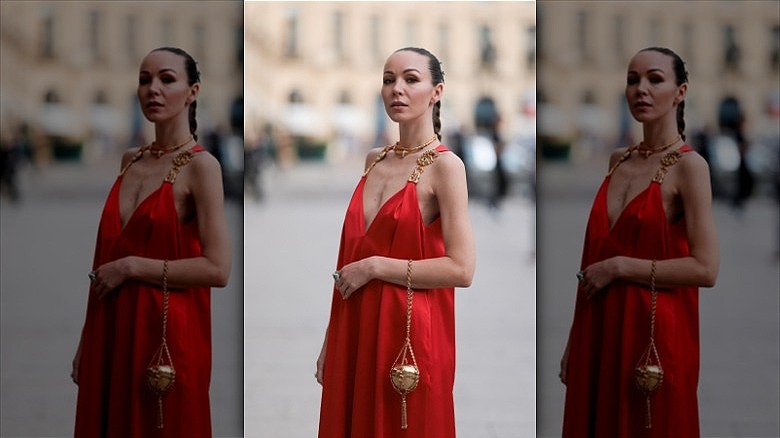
(110, 276)
(598, 276)
(353, 276)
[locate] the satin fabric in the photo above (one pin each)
(123, 330)
(611, 330)
(367, 331)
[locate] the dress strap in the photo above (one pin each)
(423, 161)
(378, 158)
(135, 158)
(180, 160)
(623, 158)
(669, 160)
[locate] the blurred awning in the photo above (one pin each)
(58, 119)
(303, 120)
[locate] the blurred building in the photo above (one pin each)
(69, 70)
(314, 69)
(731, 49)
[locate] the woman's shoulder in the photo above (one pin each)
(691, 162)
(128, 155)
(204, 161)
(616, 155)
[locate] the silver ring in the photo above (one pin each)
(92, 276)
(336, 276)
(580, 275)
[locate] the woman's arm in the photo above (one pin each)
(700, 268)
(212, 268)
(455, 268)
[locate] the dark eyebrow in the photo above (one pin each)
(408, 70)
(648, 71)
(160, 72)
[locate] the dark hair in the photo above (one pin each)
(193, 77)
(678, 65)
(437, 77)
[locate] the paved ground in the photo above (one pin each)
(506, 383)
(739, 388)
(47, 246)
(291, 243)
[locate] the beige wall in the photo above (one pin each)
(572, 62)
(84, 63)
(322, 74)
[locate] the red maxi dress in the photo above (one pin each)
(123, 330)
(611, 330)
(367, 331)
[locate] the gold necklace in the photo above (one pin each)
(404, 151)
(159, 152)
(646, 153)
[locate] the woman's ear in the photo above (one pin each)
(437, 91)
(681, 91)
(193, 93)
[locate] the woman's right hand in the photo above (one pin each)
(74, 373)
(564, 365)
(320, 374)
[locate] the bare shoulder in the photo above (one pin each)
(693, 165)
(128, 155)
(615, 156)
(372, 154)
(204, 163)
(449, 162)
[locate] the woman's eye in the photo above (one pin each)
(632, 81)
(387, 81)
(411, 79)
(167, 80)
(143, 81)
(656, 80)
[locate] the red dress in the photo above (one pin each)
(366, 332)
(611, 330)
(123, 330)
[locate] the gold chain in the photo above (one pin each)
(398, 149)
(165, 300)
(646, 153)
(653, 297)
(162, 151)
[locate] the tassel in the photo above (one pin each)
(404, 425)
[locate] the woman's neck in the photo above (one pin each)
(657, 134)
(409, 136)
(170, 134)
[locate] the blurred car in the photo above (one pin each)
(518, 160)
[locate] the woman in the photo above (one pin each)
(651, 224)
(407, 220)
(163, 221)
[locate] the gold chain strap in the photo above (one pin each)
(160, 373)
(649, 373)
(405, 375)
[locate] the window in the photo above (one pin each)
(581, 35)
(338, 35)
(375, 29)
(487, 51)
(444, 41)
(774, 49)
(94, 35)
(291, 30)
(731, 53)
(620, 38)
(530, 53)
(131, 34)
(47, 32)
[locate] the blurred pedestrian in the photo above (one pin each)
(163, 227)
(651, 227)
(406, 230)
(732, 122)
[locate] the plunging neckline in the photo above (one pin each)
(155, 193)
(367, 225)
(629, 204)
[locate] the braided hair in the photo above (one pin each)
(193, 77)
(678, 65)
(437, 77)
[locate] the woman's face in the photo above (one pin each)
(407, 89)
(163, 88)
(651, 89)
